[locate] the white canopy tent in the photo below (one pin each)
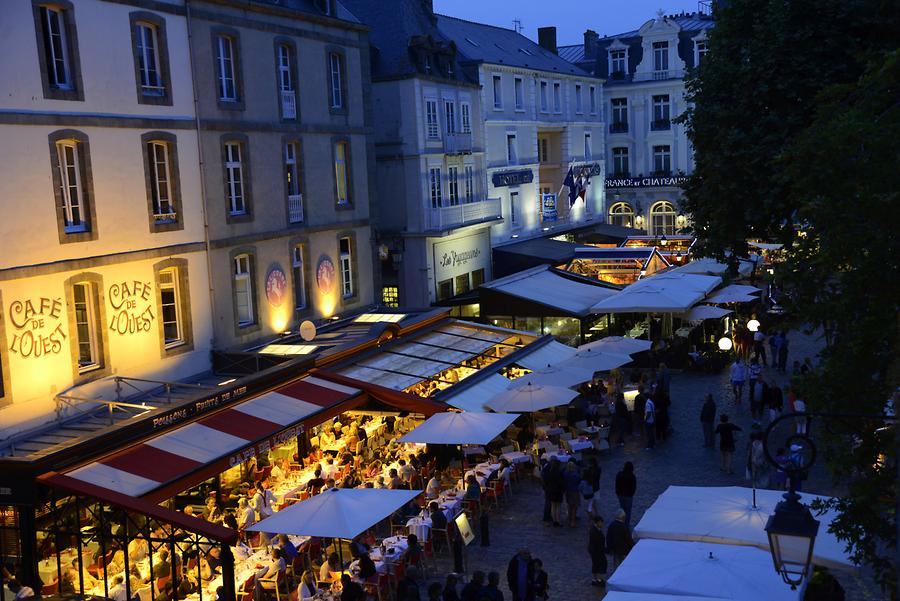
(473, 398)
(735, 293)
(595, 360)
(619, 345)
(701, 312)
(701, 569)
(552, 352)
(725, 515)
(553, 288)
(459, 428)
(710, 266)
(669, 292)
(554, 375)
(337, 512)
(623, 596)
(530, 398)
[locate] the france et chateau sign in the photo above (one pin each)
(512, 178)
(644, 182)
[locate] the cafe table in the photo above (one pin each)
(516, 457)
(576, 445)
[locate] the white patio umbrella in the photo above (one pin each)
(596, 360)
(623, 596)
(554, 375)
(701, 312)
(703, 570)
(734, 293)
(454, 428)
(619, 345)
(530, 398)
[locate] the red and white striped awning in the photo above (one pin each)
(229, 436)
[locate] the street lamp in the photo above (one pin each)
(663, 241)
(792, 534)
(725, 343)
(753, 325)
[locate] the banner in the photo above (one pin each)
(549, 207)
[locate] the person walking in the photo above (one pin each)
(545, 483)
(556, 486)
(726, 431)
(520, 576)
(775, 401)
(753, 373)
(618, 539)
(738, 378)
(757, 464)
(650, 423)
(541, 580)
(626, 485)
(708, 421)
(597, 551)
(759, 347)
(572, 479)
(622, 418)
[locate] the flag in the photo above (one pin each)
(571, 184)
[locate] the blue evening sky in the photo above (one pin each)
(571, 17)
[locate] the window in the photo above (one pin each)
(620, 162)
(299, 276)
(470, 183)
(341, 173)
(477, 277)
(71, 186)
(390, 296)
(162, 172)
(662, 219)
(588, 152)
(346, 267)
(700, 50)
(660, 113)
(579, 107)
(543, 150)
(243, 290)
(520, 94)
(498, 98)
(234, 179)
(170, 312)
(428, 64)
(660, 60)
(619, 115)
(292, 182)
(450, 116)
(544, 105)
(148, 59)
(557, 98)
(617, 66)
(431, 119)
(225, 66)
(58, 51)
(453, 185)
(336, 72)
(87, 326)
(514, 207)
(434, 182)
(621, 214)
(592, 99)
(662, 160)
(465, 114)
(285, 71)
(445, 289)
(511, 155)
(462, 283)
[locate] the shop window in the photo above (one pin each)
(662, 219)
(462, 283)
(173, 300)
(390, 296)
(444, 289)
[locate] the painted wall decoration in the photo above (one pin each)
(276, 286)
(36, 326)
(325, 275)
(132, 307)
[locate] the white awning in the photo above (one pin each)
(766, 245)
(670, 292)
(734, 293)
(710, 266)
(701, 312)
(618, 345)
(474, 397)
(530, 398)
(548, 287)
(548, 354)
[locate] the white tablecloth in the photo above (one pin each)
(421, 527)
(516, 457)
(579, 445)
(560, 455)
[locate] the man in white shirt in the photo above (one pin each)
(406, 470)
(650, 422)
(278, 472)
(118, 592)
(263, 501)
(329, 469)
(245, 514)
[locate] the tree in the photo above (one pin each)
(795, 123)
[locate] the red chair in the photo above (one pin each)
(50, 589)
(378, 586)
(493, 493)
(246, 590)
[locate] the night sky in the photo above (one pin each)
(571, 17)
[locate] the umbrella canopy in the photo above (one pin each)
(554, 375)
(701, 569)
(735, 293)
(459, 428)
(595, 360)
(724, 514)
(531, 397)
(766, 245)
(669, 292)
(618, 345)
(701, 312)
(337, 512)
(622, 596)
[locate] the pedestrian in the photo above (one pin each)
(626, 485)
(639, 402)
(572, 479)
(597, 551)
(753, 373)
(779, 480)
(794, 467)
(650, 423)
(618, 539)
(663, 380)
(738, 377)
(492, 591)
(449, 593)
(726, 431)
(757, 464)
(622, 418)
(759, 347)
(708, 420)
(545, 483)
(774, 341)
(588, 496)
(760, 395)
(557, 487)
(520, 576)
(541, 580)
(783, 352)
(800, 407)
(472, 590)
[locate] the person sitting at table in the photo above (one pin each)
(280, 469)
(212, 514)
(473, 489)
(351, 591)
(505, 472)
(361, 433)
(351, 480)
(408, 588)
(67, 584)
(270, 572)
(438, 518)
(315, 484)
(395, 482)
(351, 438)
(329, 469)
(307, 590)
(414, 551)
(206, 570)
(415, 481)
(287, 548)
(373, 469)
(166, 593)
(331, 569)
(138, 549)
(405, 471)
(434, 486)
(379, 482)
(162, 568)
(366, 566)
(347, 458)
(245, 514)
(229, 520)
(213, 558)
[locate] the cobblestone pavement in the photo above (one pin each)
(680, 460)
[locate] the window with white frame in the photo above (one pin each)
(243, 290)
(346, 267)
(450, 116)
(341, 172)
(225, 69)
(661, 112)
(56, 49)
(512, 157)
(432, 129)
(617, 66)
(292, 182)
(588, 151)
(465, 113)
(299, 276)
(619, 115)
(453, 185)
(700, 49)
(170, 308)
(620, 161)
(87, 326)
(234, 179)
(161, 192)
(285, 68)
(470, 183)
(579, 105)
(149, 67)
(544, 106)
(621, 214)
(514, 207)
(557, 97)
(662, 219)
(498, 92)
(336, 75)
(660, 59)
(592, 99)
(71, 186)
(520, 94)
(662, 160)
(434, 185)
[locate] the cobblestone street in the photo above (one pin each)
(680, 460)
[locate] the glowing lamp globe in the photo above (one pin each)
(724, 343)
(753, 325)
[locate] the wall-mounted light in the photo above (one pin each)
(663, 241)
(680, 221)
(639, 221)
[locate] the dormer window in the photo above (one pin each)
(700, 50)
(660, 60)
(428, 64)
(328, 7)
(618, 63)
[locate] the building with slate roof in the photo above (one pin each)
(647, 154)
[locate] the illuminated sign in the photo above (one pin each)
(198, 407)
(512, 178)
(276, 286)
(325, 275)
(131, 307)
(548, 207)
(37, 327)
(644, 182)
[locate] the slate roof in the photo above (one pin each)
(482, 43)
(310, 6)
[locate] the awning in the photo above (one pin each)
(548, 354)
(395, 398)
(669, 292)
(734, 293)
(474, 397)
(710, 266)
(570, 294)
(701, 312)
(766, 245)
(191, 453)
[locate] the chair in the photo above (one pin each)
(50, 589)
(247, 589)
(493, 492)
(378, 586)
(276, 582)
(472, 507)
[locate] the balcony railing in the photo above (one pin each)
(660, 125)
(454, 216)
(659, 75)
(618, 127)
(295, 208)
(457, 143)
(288, 104)
(664, 173)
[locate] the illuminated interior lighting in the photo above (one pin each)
(287, 349)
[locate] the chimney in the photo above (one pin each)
(547, 38)
(591, 40)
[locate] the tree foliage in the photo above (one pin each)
(795, 126)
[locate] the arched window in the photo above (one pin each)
(621, 214)
(662, 219)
